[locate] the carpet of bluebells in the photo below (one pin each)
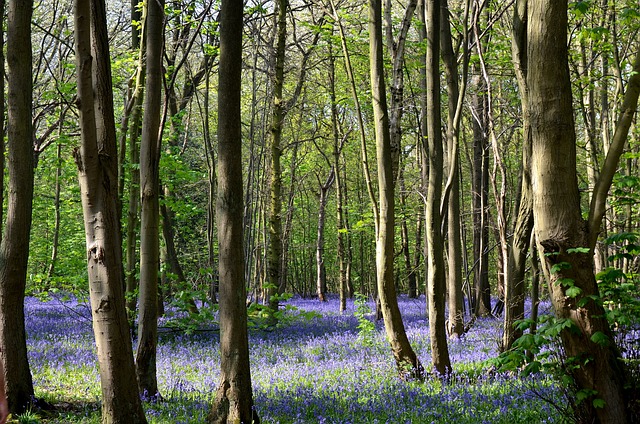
(312, 369)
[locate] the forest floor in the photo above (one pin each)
(316, 367)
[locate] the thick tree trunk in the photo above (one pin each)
(2, 118)
(234, 398)
(559, 226)
(97, 174)
(406, 360)
(14, 248)
(150, 212)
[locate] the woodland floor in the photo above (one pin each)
(316, 367)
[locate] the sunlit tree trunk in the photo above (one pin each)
(98, 177)
(564, 240)
(234, 398)
(406, 360)
(451, 198)
(14, 248)
(149, 194)
(133, 218)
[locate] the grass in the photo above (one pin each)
(313, 370)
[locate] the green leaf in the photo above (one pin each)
(532, 368)
(578, 250)
(556, 268)
(574, 291)
(599, 403)
(600, 338)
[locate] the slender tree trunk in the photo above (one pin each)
(171, 257)
(451, 197)
(412, 283)
(396, 105)
(274, 271)
(436, 284)
(481, 303)
(56, 225)
(406, 360)
(135, 121)
(321, 272)
(14, 248)
(149, 193)
(342, 232)
(521, 239)
(213, 189)
(98, 178)
(561, 232)
(234, 398)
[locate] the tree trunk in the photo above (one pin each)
(451, 197)
(436, 284)
(274, 271)
(321, 272)
(149, 194)
(481, 302)
(234, 398)
(559, 226)
(342, 232)
(14, 248)
(56, 205)
(97, 174)
(396, 106)
(171, 254)
(135, 121)
(406, 360)
(517, 258)
(2, 118)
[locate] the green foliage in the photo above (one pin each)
(543, 352)
(366, 328)
(29, 417)
(264, 317)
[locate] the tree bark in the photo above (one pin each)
(517, 258)
(451, 197)
(274, 271)
(436, 284)
(149, 194)
(135, 121)
(98, 177)
(234, 398)
(481, 301)
(559, 226)
(342, 231)
(406, 360)
(14, 248)
(2, 118)
(321, 271)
